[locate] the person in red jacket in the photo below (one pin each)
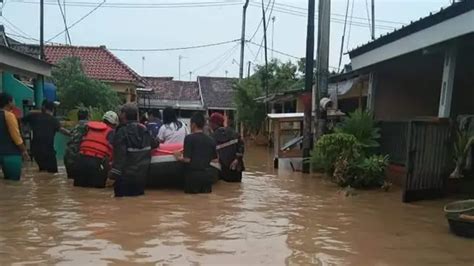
(96, 152)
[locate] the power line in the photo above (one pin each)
(65, 22)
(261, 21)
(350, 26)
(213, 60)
(222, 62)
(142, 5)
(77, 21)
(368, 16)
(285, 54)
(339, 15)
(172, 48)
(343, 36)
(18, 30)
(335, 20)
(263, 38)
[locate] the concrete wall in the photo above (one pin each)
(127, 90)
(463, 91)
(408, 87)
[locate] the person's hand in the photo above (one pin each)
(178, 155)
(26, 156)
(234, 164)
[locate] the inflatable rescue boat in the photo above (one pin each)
(166, 171)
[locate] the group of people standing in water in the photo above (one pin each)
(119, 147)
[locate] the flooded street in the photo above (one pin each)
(272, 219)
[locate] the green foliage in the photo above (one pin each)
(340, 155)
(95, 114)
(361, 125)
(75, 88)
(280, 77)
(464, 140)
(333, 147)
(368, 172)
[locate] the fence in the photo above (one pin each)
(394, 135)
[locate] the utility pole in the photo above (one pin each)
(273, 33)
(190, 75)
(265, 78)
(42, 57)
(248, 70)
(242, 40)
(322, 59)
(373, 19)
(65, 22)
(180, 57)
(308, 85)
(143, 65)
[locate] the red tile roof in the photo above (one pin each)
(97, 62)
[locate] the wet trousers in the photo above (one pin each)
(11, 166)
(90, 171)
(199, 181)
(230, 175)
(45, 157)
(123, 188)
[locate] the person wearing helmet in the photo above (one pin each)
(96, 152)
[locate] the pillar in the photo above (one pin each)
(38, 91)
(371, 92)
(446, 95)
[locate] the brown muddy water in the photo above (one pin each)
(272, 218)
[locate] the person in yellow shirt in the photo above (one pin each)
(12, 147)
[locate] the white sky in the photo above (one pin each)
(178, 27)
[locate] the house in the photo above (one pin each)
(420, 80)
(97, 61)
(22, 75)
(162, 92)
(218, 95)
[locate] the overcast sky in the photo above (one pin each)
(154, 27)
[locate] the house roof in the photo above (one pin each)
(217, 93)
(162, 92)
(98, 62)
(452, 11)
(164, 88)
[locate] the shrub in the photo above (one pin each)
(332, 147)
(340, 156)
(368, 172)
(362, 126)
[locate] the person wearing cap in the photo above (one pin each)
(96, 152)
(44, 126)
(230, 148)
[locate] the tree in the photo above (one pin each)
(280, 77)
(75, 88)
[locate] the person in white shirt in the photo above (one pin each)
(172, 130)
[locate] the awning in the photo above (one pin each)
(350, 88)
(19, 63)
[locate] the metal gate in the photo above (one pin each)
(429, 159)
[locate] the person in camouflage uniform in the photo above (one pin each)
(72, 149)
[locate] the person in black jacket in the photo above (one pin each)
(132, 154)
(230, 148)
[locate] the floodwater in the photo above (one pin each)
(271, 218)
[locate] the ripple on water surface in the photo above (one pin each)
(272, 218)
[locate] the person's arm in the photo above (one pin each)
(14, 131)
(119, 154)
(186, 155)
(240, 147)
(215, 155)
